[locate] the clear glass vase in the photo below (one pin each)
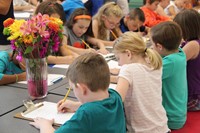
(36, 70)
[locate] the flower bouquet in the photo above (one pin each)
(34, 40)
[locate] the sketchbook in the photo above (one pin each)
(47, 110)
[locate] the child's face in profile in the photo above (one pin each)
(182, 3)
(134, 25)
(156, 47)
(80, 27)
(164, 3)
(154, 5)
(121, 58)
(111, 22)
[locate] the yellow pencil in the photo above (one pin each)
(66, 95)
(113, 34)
(85, 43)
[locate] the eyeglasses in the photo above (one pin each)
(111, 23)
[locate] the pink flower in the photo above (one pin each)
(35, 38)
(13, 47)
(19, 56)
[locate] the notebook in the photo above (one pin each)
(47, 110)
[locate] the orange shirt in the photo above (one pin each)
(152, 18)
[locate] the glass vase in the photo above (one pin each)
(36, 70)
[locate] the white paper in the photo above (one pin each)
(113, 64)
(51, 77)
(61, 66)
(109, 47)
(49, 111)
(113, 86)
(22, 15)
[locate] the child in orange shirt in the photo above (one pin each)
(151, 17)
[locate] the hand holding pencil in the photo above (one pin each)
(65, 105)
(61, 105)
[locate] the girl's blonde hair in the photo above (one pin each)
(108, 9)
(134, 42)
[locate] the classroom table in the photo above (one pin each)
(62, 90)
(9, 124)
(11, 98)
(50, 71)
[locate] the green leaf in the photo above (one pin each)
(29, 49)
(6, 31)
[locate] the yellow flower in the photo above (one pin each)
(15, 29)
(14, 36)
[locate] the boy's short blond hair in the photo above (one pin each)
(90, 69)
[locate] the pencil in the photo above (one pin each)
(85, 43)
(66, 95)
(113, 34)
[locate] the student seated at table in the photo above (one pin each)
(79, 33)
(161, 6)
(133, 21)
(105, 22)
(11, 70)
(151, 17)
(166, 38)
(94, 5)
(54, 9)
(191, 47)
(140, 85)
(175, 7)
(99, 110)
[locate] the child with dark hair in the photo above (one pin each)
(99, 110)
(79, 32)
(166, 38)
(54, 9)
(11, 70)
(189, 21)
(151, 17)
(133, 21)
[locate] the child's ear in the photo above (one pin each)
(83, 88)
(128, 52)
(159, 47)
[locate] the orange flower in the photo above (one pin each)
(53, 26)
(28, 39)
(8, 22)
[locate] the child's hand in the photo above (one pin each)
(67, 106)
(42, 123)
(22, 76)
(91, 50)
(114, 71)
(103, 51)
